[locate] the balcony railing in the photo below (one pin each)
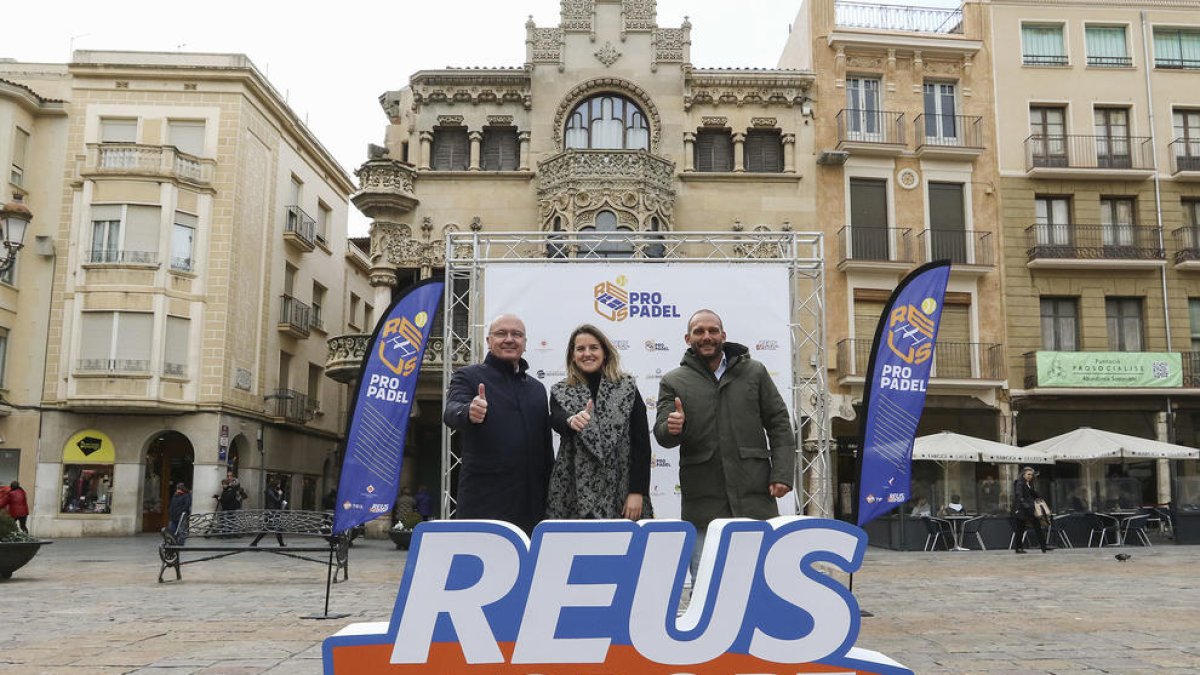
(1074, 241)
(951, 360)
(1187, 244)
(1088, 152)
(875, 244)
(618, 170)
(291, 405)
(112, 366)
(149, 160)
(1185, 154)
(118, 257)
(181, 264)
(870, 126)
(294, 316)
(893, 17)
(1110, 61)
(949, 131)
(958, 246)
(1044, 59)
(299, 228)
(175, 369)
(1176, 64)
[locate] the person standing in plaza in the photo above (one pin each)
(273, 502)
(232, 492)
(424, 503)
(602, 470)
(178, 509)
(737, 445)
(18, 506)
(503, 421)
(1024, 516)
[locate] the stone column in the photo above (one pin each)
(523, 139)
(689, 159)
(476, 138)
(426, 147)
(739, 152)
(789, 153)
(1162, 430)
(383, 280)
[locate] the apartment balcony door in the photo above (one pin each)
(947, 223)
(1048, 136)
(869, 219)
(1112, 138)
(864, 113)
(1187, 140)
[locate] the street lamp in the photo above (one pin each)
(14, 220)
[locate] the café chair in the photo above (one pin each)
(1103, 525)
(937, 529)
(973, 527)
(1137, 525)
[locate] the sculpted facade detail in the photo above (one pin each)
(669, 43)
(575, 185)
(610, 84)
(711, 88)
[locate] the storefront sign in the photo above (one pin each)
(89, 447)
(1109, 369)
(601, 596)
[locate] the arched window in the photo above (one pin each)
(606, 221)
(607, 122)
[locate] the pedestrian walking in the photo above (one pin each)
(18, 506)
(1024, 515)
(178, 510)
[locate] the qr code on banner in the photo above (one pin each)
(1160, 370)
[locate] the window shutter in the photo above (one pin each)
(500, 149)
(134, 333)
(953, 356)
(764, 151)
(187, 136)
(175, 351)
(714, 150)
(118, 131)
(451, 149)
(141, 228)
(95, 329)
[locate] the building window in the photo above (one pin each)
(87, 488)
(1048, 135)
(940, 110)
(1191, 213)
(1053, 220)
(713, 150)
(947, 222)
(175, 348)
(9, 276)
(16, 174)
(764, 151)
(3, 358)
(1106, 47)
(864, 119)
(316, 318)
(115, 342)
(606, 221)
(285, 373)
(368, 317)
(323, 216)
(1176, 48)
(1042, 45)
(1117, 221)
(451, 149)
(869, 234)
(1187, 139)
(118, 130)
(1194, 315)
(125, 234)
(186, 136)
(607, 122)
(315, 375)
(501, 149)
(183, 240)
(1060, 324)
(352, 313)
(1124, 318)
(10, 464)
(1112, 137)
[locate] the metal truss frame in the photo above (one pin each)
(468, 254)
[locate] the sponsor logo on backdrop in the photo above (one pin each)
(660, 463)
(651, 402)
(543, 374)
(766, 346)
(615, 301)
(653, 346)
(621, 345)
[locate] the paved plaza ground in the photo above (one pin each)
(93, 606)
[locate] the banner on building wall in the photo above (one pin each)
(643, 309)
(1126, 370)
(478, 597)
(378, 419)
(894, 393)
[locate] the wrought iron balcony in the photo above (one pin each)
(1089, 156)
(118, 257)
(1110, 61)
(1187, 247)
(958, 246)
(112, 366)
(869, 245)
(299, 228)
(154, 161)
(174, 369)
(895, 17)
(1077, 242)
(1185, 157)
(294, 316)
(346, 353)
(291, 405)
(948, 135)
(619, 170)
(870, 131)
(951, 360)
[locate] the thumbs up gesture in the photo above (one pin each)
(478, 409)
(581, 419)
(675, 420)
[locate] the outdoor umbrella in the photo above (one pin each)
(948, 446)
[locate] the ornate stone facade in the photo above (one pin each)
(615, 85)
(575, 185)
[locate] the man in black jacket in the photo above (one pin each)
(503, 421)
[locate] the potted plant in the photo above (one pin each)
(402, 533)
(16, 547)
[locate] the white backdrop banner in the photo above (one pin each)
(643, 309)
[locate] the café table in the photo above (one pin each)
(957, 521)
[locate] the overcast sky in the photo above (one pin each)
(332, 60)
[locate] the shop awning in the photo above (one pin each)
(948, 446)
(1086, 443)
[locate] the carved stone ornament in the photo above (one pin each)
(574, 186)
(547, 45)
(864, 62)
(607, 54)
(668, 45)
(500, 120)
(714, 121)
(638, 15)
(738, 89)
(395, 245)
(941, 68)
(769, 122)
(578, 15)
(450, 120)
(908, 178)
(608, 84)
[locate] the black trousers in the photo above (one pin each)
(1020, 524)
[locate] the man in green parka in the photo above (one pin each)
(737, 446)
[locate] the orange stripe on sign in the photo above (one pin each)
(445, 658)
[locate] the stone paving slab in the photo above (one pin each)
(93, 606)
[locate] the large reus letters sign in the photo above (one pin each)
(593, 597)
